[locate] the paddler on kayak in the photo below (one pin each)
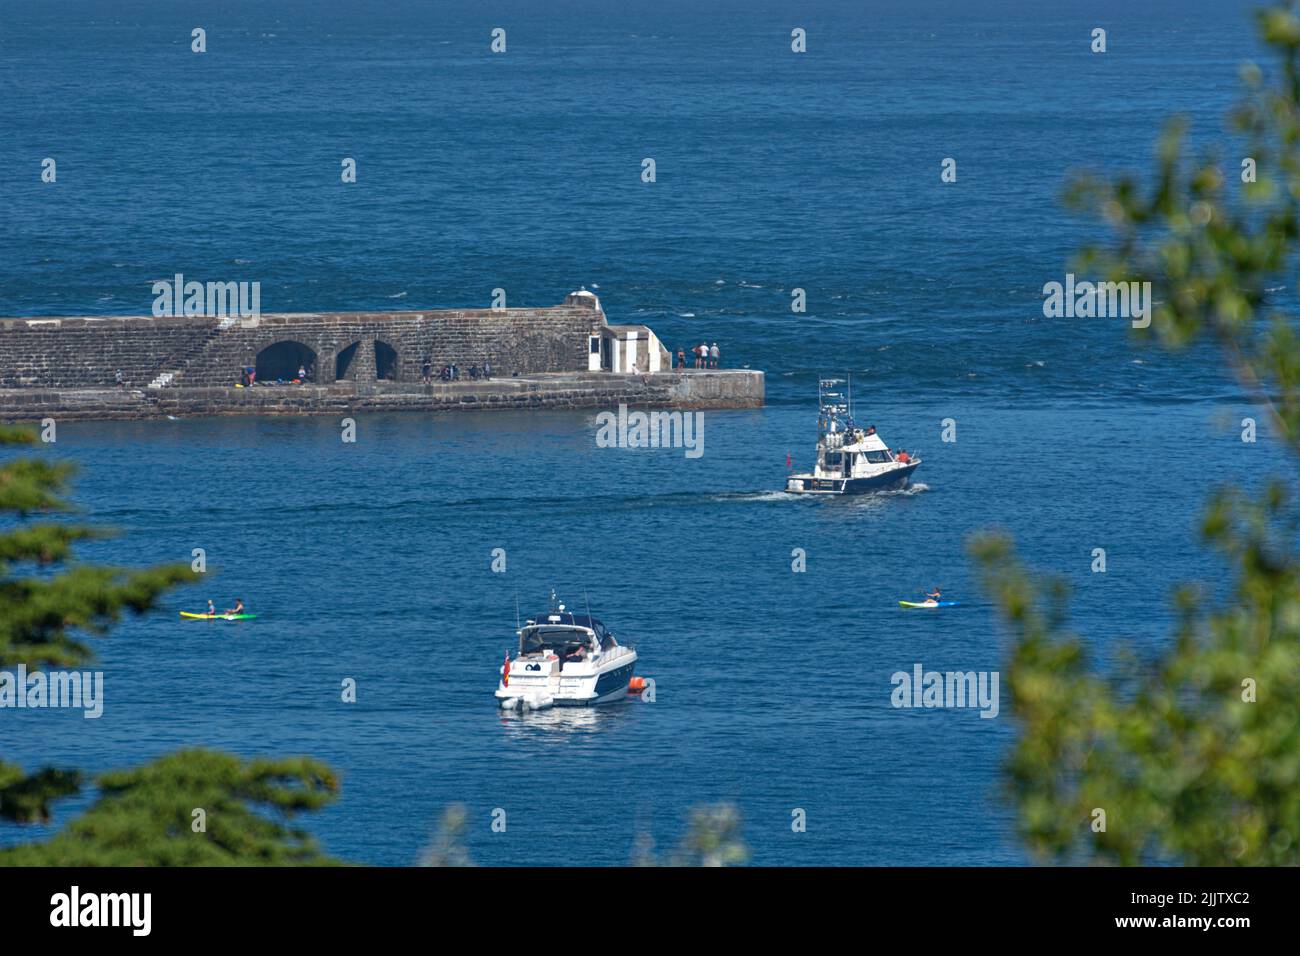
(237, 609)
(212, 608)
(933, 595)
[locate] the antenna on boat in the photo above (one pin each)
(586, 600)
(518, 625)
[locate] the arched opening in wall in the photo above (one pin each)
(343, 363)
(282, 360)
(385, 360)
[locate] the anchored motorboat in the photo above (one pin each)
(566, 660)
(851, 460)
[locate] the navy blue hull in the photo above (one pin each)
(887, 482)
(892, 480)
(608, 687)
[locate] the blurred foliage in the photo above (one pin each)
(713, 838)
(1187, 767)
(143, 816)
(448, 846)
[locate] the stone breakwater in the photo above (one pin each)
(361, 347)
(692, 389)
(562, 356)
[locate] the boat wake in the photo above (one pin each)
(915, 488)
(747, 496)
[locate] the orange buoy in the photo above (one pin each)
(636, 685)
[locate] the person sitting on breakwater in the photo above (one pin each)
(237, 609)
(302, 373)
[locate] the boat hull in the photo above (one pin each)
(610, 686)
(893, 480)
(605, 687)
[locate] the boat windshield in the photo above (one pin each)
(538, 640)
(878, 457)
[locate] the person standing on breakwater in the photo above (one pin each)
(713, 356)
(426, 370)
(681, 359)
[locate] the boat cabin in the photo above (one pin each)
(842, 453)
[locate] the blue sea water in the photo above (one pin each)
(522, 171)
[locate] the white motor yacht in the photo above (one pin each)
(566, 660)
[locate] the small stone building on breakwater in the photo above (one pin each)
(564, 355)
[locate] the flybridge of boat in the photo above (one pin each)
(850, 459)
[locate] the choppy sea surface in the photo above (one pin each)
(522, 170)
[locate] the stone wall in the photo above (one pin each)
(199, 352)
(512, 340)
(88, 352)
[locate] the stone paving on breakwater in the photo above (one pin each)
(691, 389)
